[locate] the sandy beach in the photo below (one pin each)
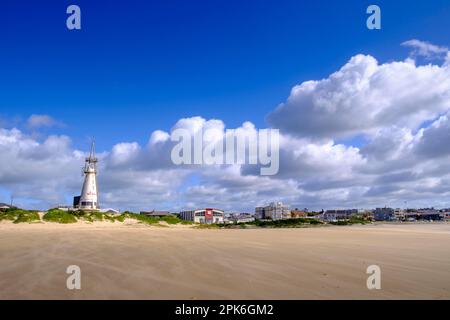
(133, 261)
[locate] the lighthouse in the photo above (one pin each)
(88, 200)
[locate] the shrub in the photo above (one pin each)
(151, 220)
(109, 218)
(340, 223)
(96, 216)
(19, 215)
(120, 218)
(288, 223)
(56, 215)
(140, 217)
(175, 220)
(8, 215)
(27, 216)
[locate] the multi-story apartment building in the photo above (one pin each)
(384, 214)
(274, 211)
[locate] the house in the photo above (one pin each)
(338, 214)
(242, 218)
(157, 214)
(296, 213)
(429, 214)
(4, 206)
(110, 211)
(384, 214)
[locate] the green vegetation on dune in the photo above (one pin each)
(60, 216)
(140, 217)
(355, 219)
(56, 215)
(152, 220)
(27, 216)
(82, 215)
(8, 215)
(120, 218)
(91, 216)
(288, 223)
(19, 215)
(175, 220)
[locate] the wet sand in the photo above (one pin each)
(138, 262)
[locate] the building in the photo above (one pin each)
(296, 213)
(446, 214)
(63, 208)
(203, 216)
(4, 206)
(260, 213)
(274, 211)
(384, 214)
(429, 214)
(241, 218)
(338, 214)
(157, 214)
(399, 214)
(88, 200)
(110, 211)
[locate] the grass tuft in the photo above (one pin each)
(60, 216)
(19, 215)
(27, 216)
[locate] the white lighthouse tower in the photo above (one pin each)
(89, 194)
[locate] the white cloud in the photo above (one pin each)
(426, 49)
(36, 121)
(364, 97)
(320, 174)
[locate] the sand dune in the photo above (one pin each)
(138, 262)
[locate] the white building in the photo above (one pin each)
(110, 211)
(244, 218)
(89, 193)
(274, 211)
(203, 216)
(338, 214)
(4, 206)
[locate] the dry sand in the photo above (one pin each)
(137, 262)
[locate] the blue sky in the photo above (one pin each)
(137, 66)
(373, 133)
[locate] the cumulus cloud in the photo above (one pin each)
(37, 170)
(317, 174)
(364, 97)
(433, 141)
(48, 173)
